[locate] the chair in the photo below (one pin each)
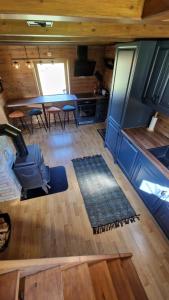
(53, 111)
(19, 115)
(67, 109)
(36, 112)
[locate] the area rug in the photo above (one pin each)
(58, 183)
(105, 202)
(102, 132)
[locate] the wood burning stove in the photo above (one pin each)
(29, 165)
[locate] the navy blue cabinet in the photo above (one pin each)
(127, 154)
(132, 62)
(162, 216)
(112, 135)
(156, 92)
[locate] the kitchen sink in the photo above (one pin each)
(162, 154)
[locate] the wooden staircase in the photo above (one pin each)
(103, 277)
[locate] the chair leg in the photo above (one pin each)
(32, 124)
(54, 116)
(60, 120)
(43, 123)
(38, 121)
(26, 125)
(22, 123)
(64, 122)
(49, 121)
(74, 113)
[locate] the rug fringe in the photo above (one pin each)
(115, 224)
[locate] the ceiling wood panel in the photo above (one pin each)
(86, 8)
(84, 30)
(156, 9)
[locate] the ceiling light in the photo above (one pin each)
(16, 65)
(28, 64)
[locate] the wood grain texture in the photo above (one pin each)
(9, 286)
(155, 9)
(77, 284)
(145, 140)
(85, 30)
(57, 225)
(102, 282)
(120, 280)
(133, 279)
(108, 8)
(22, 83)
(44, 285)
(162, 125)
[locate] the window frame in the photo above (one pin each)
(47, 61)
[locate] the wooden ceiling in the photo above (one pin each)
(83, 21)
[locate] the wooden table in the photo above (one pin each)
(42, 100)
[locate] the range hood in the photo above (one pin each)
(83, 66)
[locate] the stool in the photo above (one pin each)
(18, 114)
(38, 114)
(67, 109)
(54, 110)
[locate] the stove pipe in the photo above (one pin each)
(17, 138)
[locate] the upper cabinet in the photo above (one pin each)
(156, 93)
(126, 109)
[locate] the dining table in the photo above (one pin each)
(42, 100)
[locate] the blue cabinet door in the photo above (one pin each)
(162, 216)
(124, 67)
(127, 154)
(149, 183)
(112, 135)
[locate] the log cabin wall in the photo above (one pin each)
(109, 53)
(21, 83)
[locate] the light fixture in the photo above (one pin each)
(16, 65)
(28, 62)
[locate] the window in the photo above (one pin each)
(52, 77)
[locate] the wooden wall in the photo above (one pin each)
(3, 118)
(21, 83)
(109, 53)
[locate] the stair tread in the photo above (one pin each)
(120, 280)
(77, 284)
(44, 285)
(102, 282)
(9, 285)
(134, 279)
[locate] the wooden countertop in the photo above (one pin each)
(145, 140)
(90, 96)
(41, 100)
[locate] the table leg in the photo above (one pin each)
(46, 119)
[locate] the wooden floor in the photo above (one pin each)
(57, 225)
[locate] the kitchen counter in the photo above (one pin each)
(145, 140)
(90, 96)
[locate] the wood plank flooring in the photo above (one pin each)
(57, 225)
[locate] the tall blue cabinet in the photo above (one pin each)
(132, 63)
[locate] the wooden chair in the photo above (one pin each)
(55, 111)
(19, 115)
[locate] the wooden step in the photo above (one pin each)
(44, 285)
(102, 282)
(9, 286)
(120, 280)
(134, 279)
(77, 284)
